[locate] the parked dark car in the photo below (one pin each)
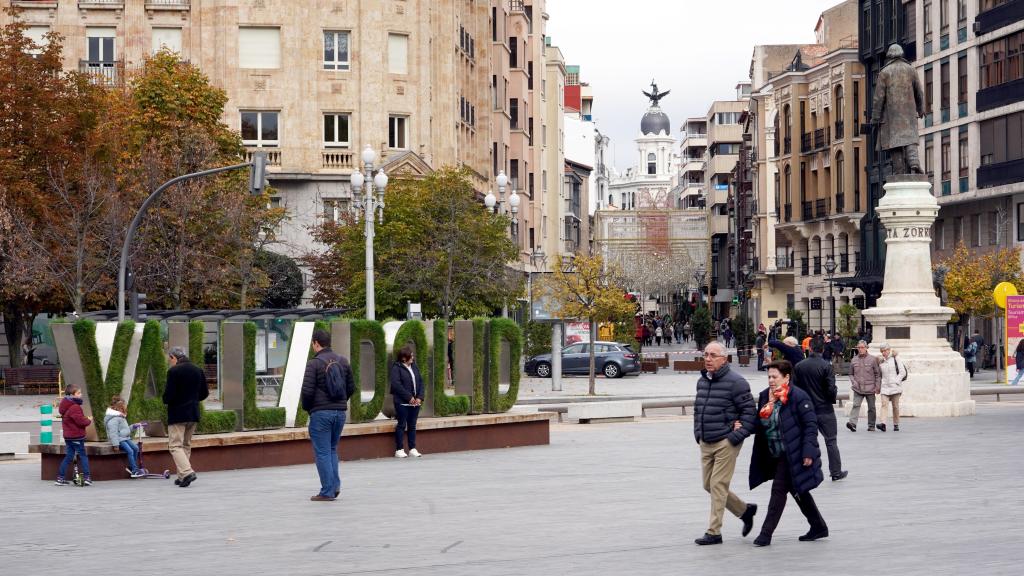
(612, 359)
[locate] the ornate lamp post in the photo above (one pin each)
(371, 206)
(830, 270)
(497, 204)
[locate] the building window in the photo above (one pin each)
(789, 182)
(943, 16)
(259, 128)
(894, 10)
(727, 118)
(259, 48)
(336, 50)
(963, 154)
(944, 89)
(398, 132)
(994, 228)
(840, 176)
(929, 157)
(1001, 139)
(856, 107)
(513, 49)
(961, 11)
(958, 231)
(167, 39)
(1020, 222)
(929, 89)
(990, 4)
(652, 164)
(945, 156)
(513, 112)
(928, 21)
(100, 45)
(1001, 61)
(335, 209)
(37, 34)
(961, 71)
(336, 130)
(940, 234)
(398, 53)
(976, 236)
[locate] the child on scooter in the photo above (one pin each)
(120, 434)
(73, 422)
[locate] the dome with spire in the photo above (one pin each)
(655, 122)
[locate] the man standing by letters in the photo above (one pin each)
(898, 103)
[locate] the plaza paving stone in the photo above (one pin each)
(943, 496)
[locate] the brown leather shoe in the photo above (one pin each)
(319, 498)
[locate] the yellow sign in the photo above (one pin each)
(1003, 289)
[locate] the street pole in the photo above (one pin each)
(255, 186)
(368, 232)
(556, 356)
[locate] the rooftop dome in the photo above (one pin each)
(655, 122)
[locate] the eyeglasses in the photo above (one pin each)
(713, 355)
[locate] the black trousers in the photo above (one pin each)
(782, 486)
(829, 429)
(406, 425)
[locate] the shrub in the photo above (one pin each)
(479, 355)
(503, 329)
(101, 389)
(360, 411)
(700, 324)
(255, 418)
(147, 403)
(444, 405)
(538, 338)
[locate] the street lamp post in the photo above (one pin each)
(372, 207)
(698, 276)
(830, 270)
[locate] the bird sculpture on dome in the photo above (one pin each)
(654, 95)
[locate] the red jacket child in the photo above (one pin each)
(73, 419)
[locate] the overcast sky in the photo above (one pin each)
(698, 49)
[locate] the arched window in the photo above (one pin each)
(789, 182)
(652, 163)
(787, 121)
(840, 181)
(837, 107)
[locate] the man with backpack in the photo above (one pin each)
(326, 387)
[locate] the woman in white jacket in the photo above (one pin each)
(894, 372)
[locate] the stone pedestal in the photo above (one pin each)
(908, 315)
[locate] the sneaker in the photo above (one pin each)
(851, 426)
(895, 427)
(415, 453)
(319, 498)
(400, 454)
(60, 482)
(881, 427)
(87, 482)
(187, 480)
(137, 474)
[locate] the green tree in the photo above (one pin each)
(587, 290)
(848, 324)
(437, 245)
(538, 338)
(700, 323)
(801, 329)
(286, 287)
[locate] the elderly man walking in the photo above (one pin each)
(723, 416)
(186, 389)
(865, 382)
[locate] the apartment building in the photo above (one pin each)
(724, 136)
(692, 149)
(553, 136)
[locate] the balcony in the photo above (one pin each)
(102, 72)
(168, 4)
(806, 142)
(806, 211)
(336, 159)
(821, 138)
(805, 269)
(1000, 95)
(273, 155)
(821, 207)
(997, 17)
(840, 203)
(788, 213)
(839, 130)
(817, 265)
(998, 174)
(101, 3)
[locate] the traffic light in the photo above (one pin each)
(258, 173)
(136, 305)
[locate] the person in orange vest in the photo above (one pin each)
(806, 345)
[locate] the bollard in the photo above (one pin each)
(46, 424)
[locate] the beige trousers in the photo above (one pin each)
(895, 401)
(179, 444)
(718, 462)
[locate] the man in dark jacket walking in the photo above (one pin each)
(815, 376)
(186, 388)
(723, 416)
(326, 413)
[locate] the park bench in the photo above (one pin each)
(31, 380)
(12, 443)
(613, 411)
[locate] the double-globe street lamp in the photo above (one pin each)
(498, 203)
(830, 270)
(370, 206)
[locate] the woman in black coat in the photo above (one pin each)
(786, 452)
(407, 389)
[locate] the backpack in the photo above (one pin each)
(336, 390)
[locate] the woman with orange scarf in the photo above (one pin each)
(786, 452)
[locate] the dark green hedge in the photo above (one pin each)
(151, 366)
(255, 418)
(444, 405)
(479, 354)
(210, 421)
(504, 329)
(360, 411)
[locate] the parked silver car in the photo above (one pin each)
(610, 358)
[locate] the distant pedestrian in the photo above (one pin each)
(826, 350)
(805, 346)
(816, 377)
(760, 343)
(723, 416)
(838, 348)
(894, 373)
(728, 337)
(687, 330)
(407, 390)
(971, 356)
(326, 387)
(73, 422)
(865, 383)
(786, 451)
(119, 434)
(1018, 361)
(789, 348)
(677, 328)
(658, 333)
(186, 388)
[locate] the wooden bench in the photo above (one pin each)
(31, 380)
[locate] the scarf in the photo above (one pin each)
(781, 394)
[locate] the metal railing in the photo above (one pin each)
(168, 2)
(806, 210)
(821, 207)
(806, 141)
(840, 203)
(106, 73)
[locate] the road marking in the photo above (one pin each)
(446, 549)
(321, 547)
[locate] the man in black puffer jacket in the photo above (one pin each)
(723, 416)
(815, 376)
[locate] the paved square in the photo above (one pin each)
(941, 497)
